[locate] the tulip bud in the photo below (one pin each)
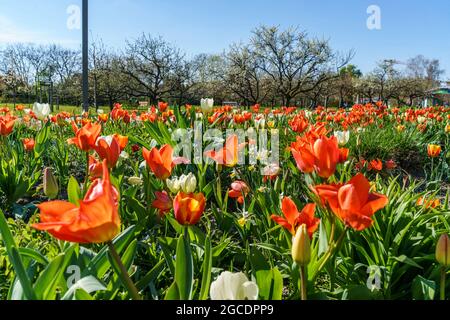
(51, 188)
(173, 185)
(443, 251)
(301, 247)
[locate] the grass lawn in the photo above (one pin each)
(67, 108)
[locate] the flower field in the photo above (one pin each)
(225, 203)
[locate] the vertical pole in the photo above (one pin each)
(85, 58)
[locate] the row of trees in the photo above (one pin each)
(275, 67)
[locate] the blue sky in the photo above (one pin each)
(201, 26)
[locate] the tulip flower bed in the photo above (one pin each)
(186, 203)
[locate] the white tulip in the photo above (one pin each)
(173, 185)
(233, 286)
(421, 119)
(188, 183)
(207, 105)
(342, 136)
(41, 111)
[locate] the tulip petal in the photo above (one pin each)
(374, 203)
(290, 210)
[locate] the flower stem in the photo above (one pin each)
(124, 273)
(331, 250)
(304, 283)
(443, 275)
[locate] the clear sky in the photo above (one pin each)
(408, 27)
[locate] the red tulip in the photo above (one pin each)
(95, 220)
(160, 161)
(28, 144)
(352, 202)
(86, 137)
(108, 149)
(6, 125)
(294, 219)
(321, 155)
(163, 203)
(376, 165)
(162, 106)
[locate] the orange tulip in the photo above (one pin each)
(95, 220)
(294, 219)
(160, 161)
(321, 155)
(428, 203)
(352, 202)
(86, 137)
(189, 208)
(108, 149)
(103, 117)
(6, 125)
(229, 155)
(122, 140)
(28, 144)
(434, 150)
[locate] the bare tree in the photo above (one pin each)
(148, 64)
(243, 75)
(295, 63)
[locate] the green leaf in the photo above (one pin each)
(139, 141)
(82, 295)
(100, 264)
(15, 258)
(87, 284)
(423, 289)
(258, 261)
(270, 283)
(206, 268)
(408, 261)
(172, 293)
(166, 246)
(323, 239)
(151, 276)
(47, 282)
(33, 254)
(74, 191)
(184, 267)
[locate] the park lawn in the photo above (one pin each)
(66, 108)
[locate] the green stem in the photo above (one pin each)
(331, 251)
(124, 273)
(304, 283)
(443, 275)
